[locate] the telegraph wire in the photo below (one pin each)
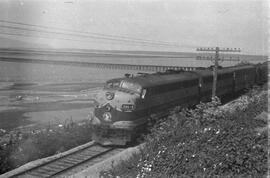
(82, 34)
(77, 31)
(61, 38)
(121, 54)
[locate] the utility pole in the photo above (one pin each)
(216, 61)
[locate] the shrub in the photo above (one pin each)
(210, 140)
(24, 147)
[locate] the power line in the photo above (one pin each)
(114, 54)
(76, 36)
(82, 34)
(61, 38)
(77, 31)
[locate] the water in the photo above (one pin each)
(48, 73)
(34, 93)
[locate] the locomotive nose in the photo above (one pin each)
(109, 95)
(107, 117)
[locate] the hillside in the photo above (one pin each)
(210, 140)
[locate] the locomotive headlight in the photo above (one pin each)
(109, 95)
(107, 107)
(107, 117)
(128, 107)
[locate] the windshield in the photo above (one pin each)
(131, 86)
(113, 84)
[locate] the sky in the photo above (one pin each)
(184, 24)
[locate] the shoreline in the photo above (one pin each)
(38, 103)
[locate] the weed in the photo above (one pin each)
(25, 147)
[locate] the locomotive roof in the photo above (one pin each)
(247, 66)
(203, 73)
(161, 78)
(208, 72)
(225, 70)
(149, 80)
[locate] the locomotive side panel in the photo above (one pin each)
(205, 84)
(262, 73)
(244, 77)
(251, 76)
(225, 82)
(180, 93)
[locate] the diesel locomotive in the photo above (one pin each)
(125, 104)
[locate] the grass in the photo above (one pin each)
(208, 141)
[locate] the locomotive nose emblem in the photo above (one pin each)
(109, 95)
(107, 117)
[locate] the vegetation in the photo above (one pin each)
(210, 140)
(21, 148)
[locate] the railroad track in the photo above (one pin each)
(59, 167)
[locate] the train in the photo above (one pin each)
(125, 104)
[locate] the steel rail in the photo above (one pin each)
(59, 165)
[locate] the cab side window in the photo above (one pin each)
(116, 84)
(143, 93)
(109, 85)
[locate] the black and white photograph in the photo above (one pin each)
(134, 88)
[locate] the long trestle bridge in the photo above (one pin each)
(140, 67)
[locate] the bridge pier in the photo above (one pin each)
(101, 65)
